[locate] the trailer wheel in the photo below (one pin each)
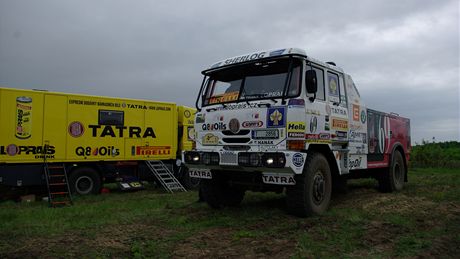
(392, 179)
(217, 193)
(85, 181)
(312, 193)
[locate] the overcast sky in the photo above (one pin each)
(402, 55)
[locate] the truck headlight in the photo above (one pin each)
(192, 157)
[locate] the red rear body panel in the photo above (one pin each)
(387, 132)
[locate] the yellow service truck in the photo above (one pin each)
(95, 139)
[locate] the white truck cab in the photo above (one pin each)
(277, 119)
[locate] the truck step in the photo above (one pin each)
(164, 176)
(57, 184)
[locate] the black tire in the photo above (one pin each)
(312, 193)
(188, 182)
(392, 179)
(217, 192)
(85, 181)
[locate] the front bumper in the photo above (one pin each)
(289, 162)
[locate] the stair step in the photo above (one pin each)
(57, 184)
(60, 202)
(58, 193)
(56, 167)
(56, 175)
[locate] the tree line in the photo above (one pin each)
(442, 154)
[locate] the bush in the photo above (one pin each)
(445, 154)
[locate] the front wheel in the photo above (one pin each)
(312, 193)
(218, 193)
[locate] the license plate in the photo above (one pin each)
(280, 179)
(265, 134)
(200, 173)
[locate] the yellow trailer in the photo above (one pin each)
(91, 135)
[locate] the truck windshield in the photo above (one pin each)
(254, 81)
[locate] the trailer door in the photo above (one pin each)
(55, 126)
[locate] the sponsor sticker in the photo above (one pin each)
(363, 117)
(76, 129)
(252, 124)
(296, 127)
(300, 135)
(23, 117)
(341, 125)
(200, 173)
(280, 179)
(187, 114)
(355, 112)
(263, 142)
(276, 117)
(323, 138)
(313, 124)
(210, 139)
(214, 126)
(227, 97)
(298, 160)
(200, 118)
(150, 150)
(341, 134)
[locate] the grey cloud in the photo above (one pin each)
(156, 49)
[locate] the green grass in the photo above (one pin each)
(422, 220)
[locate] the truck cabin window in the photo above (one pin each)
(115, 118)
(255, 81)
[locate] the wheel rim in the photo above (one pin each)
(398, 174)
(84, 185)
(319, 188)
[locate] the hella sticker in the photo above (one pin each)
(298, 160)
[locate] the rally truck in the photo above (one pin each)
(281, 120)
(94, 139)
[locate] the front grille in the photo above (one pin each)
(237, 148)
(240, 133)
(229, 158)
(236, 140)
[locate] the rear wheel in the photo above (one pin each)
(85, 181)
(392, 179)
(312, 193)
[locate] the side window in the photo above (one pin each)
(320, 79)
(115, 118)
(343, 98)
(333, 87)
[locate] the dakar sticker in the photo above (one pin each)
(276, 117)
(210, 139)
(76, 129)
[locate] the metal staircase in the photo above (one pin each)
(58, 185)
(165, 177)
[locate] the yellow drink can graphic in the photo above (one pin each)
(23, 117)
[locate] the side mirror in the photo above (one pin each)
(311, 82)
